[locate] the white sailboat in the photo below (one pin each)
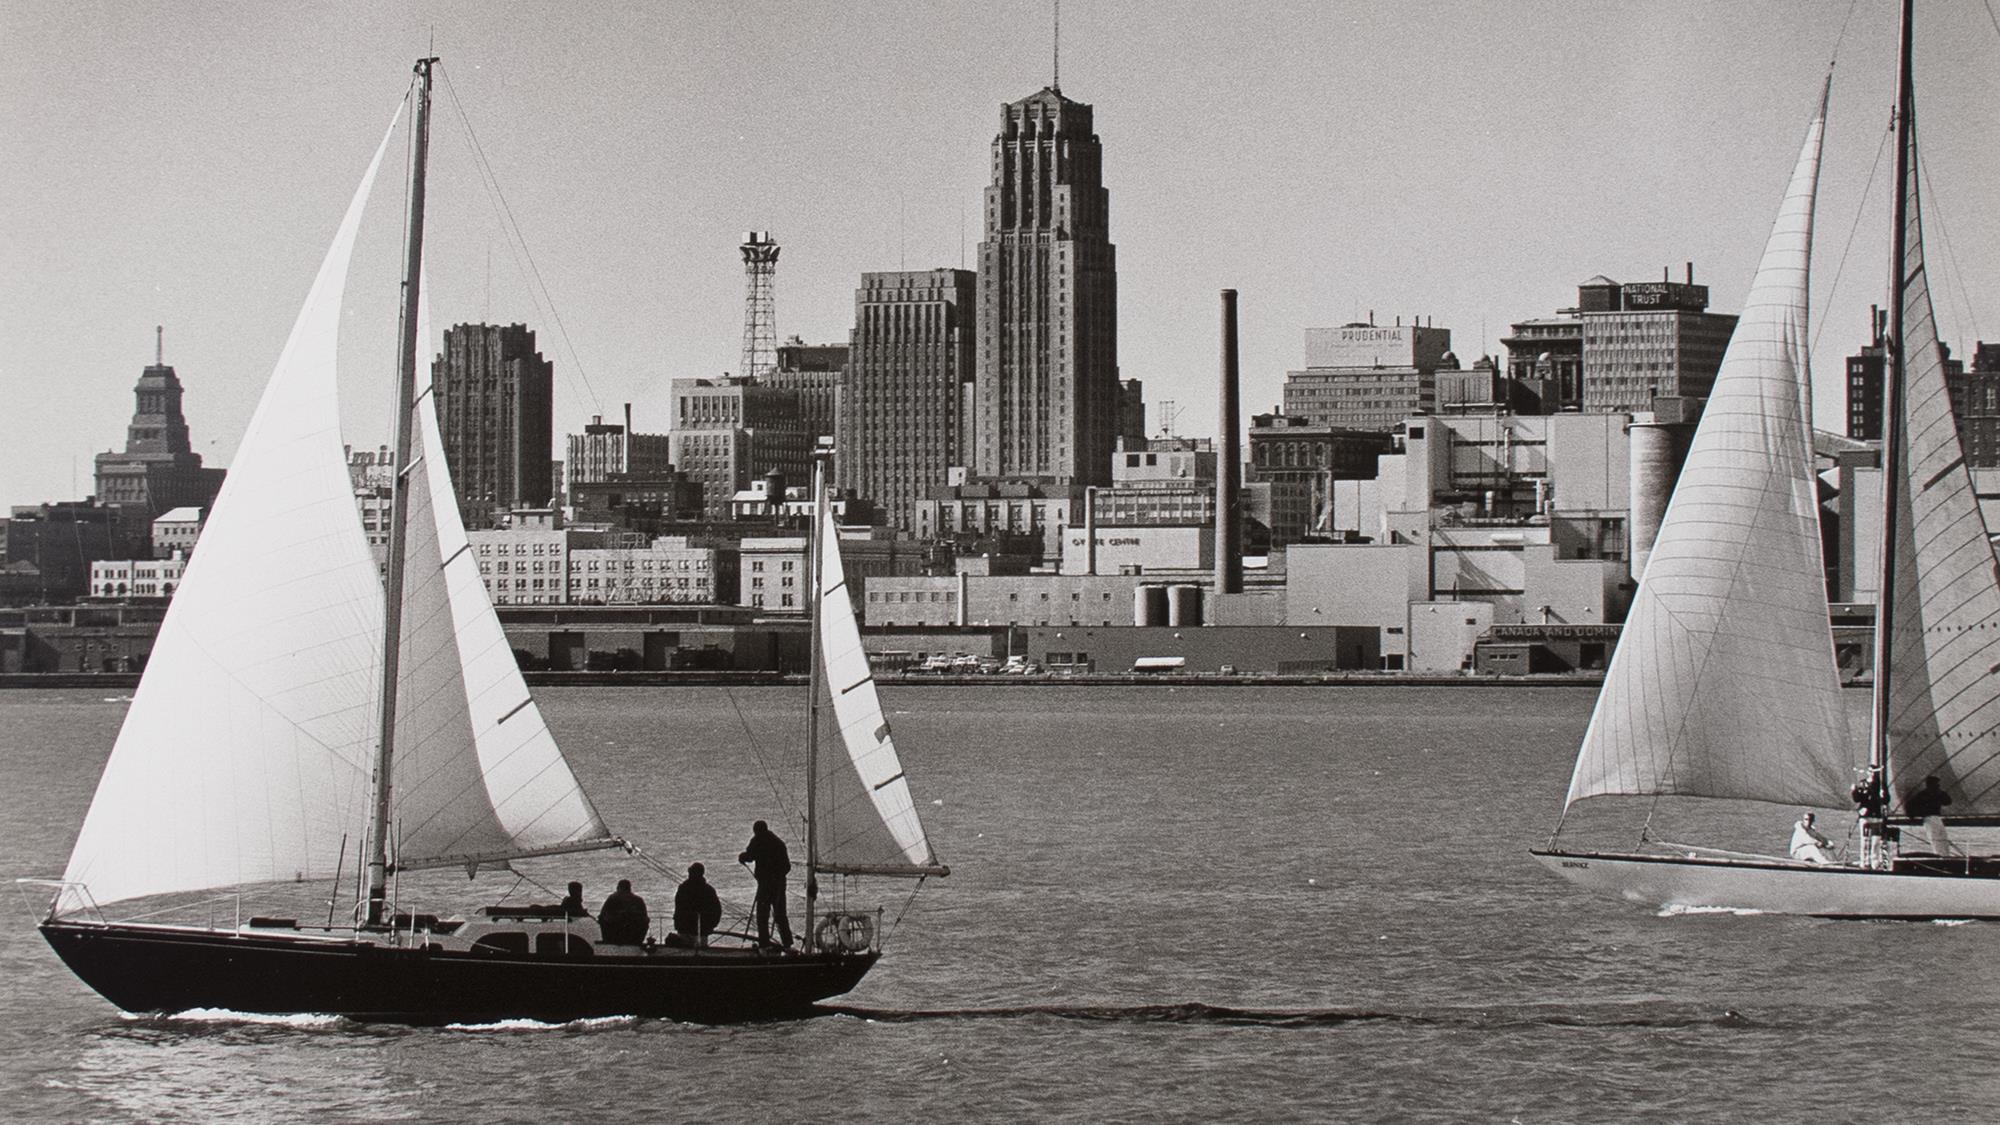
(297, 704)
(1724, 684)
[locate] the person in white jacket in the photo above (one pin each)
(1809, 844)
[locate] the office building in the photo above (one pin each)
(1865, 371)
(814, 372)
(1300, 462)
(1648, 340)
(494, 395)
(1975, 403)
(723, 432)
(1364, 376)
(605, 449)
(159, 469)
(909, 372)
(1046, 398)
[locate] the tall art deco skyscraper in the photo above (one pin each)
(1046, 391)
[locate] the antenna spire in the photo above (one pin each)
(1055, 82)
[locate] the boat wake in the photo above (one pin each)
(600, 1023)
(225, 1016)
(1495, 1018)
(1676, 911)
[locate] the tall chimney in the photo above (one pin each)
(1690, 266)
(1228, 459)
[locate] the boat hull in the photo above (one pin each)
(1777, 887)
(172, 969)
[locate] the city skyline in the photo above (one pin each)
(1469, 172)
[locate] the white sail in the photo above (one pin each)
(864, 817)
(245, 756)
(1724, 682)
(477, 776)
(1944, 641)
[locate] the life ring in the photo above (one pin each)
(850, 933)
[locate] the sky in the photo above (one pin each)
(1470, 162)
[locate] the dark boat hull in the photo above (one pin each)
(172, 969)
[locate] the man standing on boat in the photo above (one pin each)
(773, 863)
(1809, 844)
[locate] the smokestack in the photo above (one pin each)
(1090, 529)
(1690, 273)
(1228, 458)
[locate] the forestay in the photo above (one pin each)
(477, 776)
(1724, 682)
(1944, 687)
(246, 754)
(865, 818)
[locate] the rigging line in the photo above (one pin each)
(1843, 37)
(1860, 209)
(1991, 16)
(757, 752)
(545, 302)
(1950, 252)
(908, 902)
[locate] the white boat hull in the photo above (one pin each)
(1780, 887)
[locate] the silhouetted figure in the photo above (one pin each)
(697, 908)
(773, 863)
(623, 919)
(1928, 801)
(1927, 804)
(572, 903)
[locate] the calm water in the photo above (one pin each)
(1167, 904)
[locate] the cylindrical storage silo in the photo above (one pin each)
(1652, 477)
(1184, 605)
(1149, 604)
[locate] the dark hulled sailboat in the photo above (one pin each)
(295, 700)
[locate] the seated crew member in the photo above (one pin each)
(572, 903)
(1809, 843)
(697, 908)
(622, 919)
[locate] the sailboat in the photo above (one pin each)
(1724, 685)
(297, 700)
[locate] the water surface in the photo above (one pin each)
(1265, 904)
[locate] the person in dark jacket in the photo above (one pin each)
(623, 920)
(773, 863)
(572, 903)
(1927, 802)
(697, 908)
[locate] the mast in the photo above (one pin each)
(814, 677)
(392, 617)
(1892, 401)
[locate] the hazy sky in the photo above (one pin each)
(185, 164)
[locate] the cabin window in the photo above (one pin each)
(507, 941)
(557, 945)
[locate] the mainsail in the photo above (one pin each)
(864, 816)
(245, 755)
(1944, 640)
(1724, 682)
(478, 777)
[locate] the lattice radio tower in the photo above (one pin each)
(760, 312)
